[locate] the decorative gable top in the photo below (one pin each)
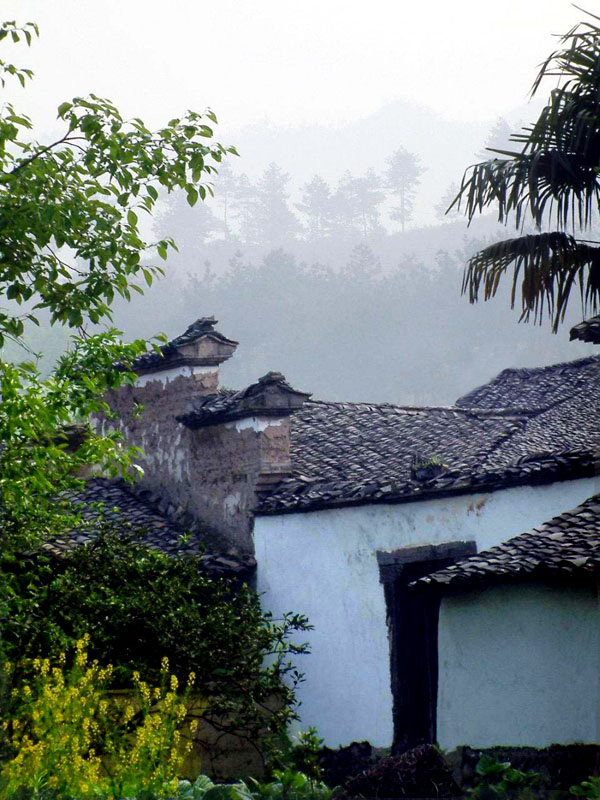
(587, 331)
(270, 396)
(200, 345)
(569, 544)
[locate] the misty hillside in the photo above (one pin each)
(445, 147)
(303, 260)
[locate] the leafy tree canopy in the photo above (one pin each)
(552, 179)
(70, 242)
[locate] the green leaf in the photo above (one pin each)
(63, 108)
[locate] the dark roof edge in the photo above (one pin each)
(542, 573)
(586, 467)
(588, 330)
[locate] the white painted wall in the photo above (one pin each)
(519, 666)
(258, 424)
(323, 564)
(165, 376)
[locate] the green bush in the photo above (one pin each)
(138, 605)
(288, 785)
(302, 753)
(589, 789)
(497, 780)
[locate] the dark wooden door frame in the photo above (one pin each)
(413, 632)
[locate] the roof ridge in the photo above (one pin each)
(526, 372)
(467, 410)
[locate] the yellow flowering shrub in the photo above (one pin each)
(70, 735)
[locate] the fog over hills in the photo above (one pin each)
(352, 309)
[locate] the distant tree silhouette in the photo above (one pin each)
(442, 210)
(193, 227)
(498, 138)
(271, 222)
(402, 177)
(356, 204)
(317, 206)
(364, 264)
(227, 185)
(244, 198)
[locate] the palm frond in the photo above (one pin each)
(555, 170)
(577, 58)
(545, 269)
(564, 185)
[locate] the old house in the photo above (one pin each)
(345, 506)
(519, 637)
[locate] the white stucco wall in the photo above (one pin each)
(323, 564)
(519, 666)
(165, 376)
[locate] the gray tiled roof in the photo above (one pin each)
(527, 425)
(573, 423)
(119, 505)
(587, 331)
(536, 388)
(355, 441)
(566, 545)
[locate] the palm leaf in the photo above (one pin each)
(556, 168)
(552, 175)
(563, 184)
(545, 269)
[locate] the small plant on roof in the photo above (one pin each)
(425, 468)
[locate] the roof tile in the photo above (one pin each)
(118, 504)
(545, 426)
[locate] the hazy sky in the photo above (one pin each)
(289, 62)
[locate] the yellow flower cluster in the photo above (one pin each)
(70, 733)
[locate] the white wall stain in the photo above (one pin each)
(232, 503)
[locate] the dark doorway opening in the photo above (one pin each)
(413, 632)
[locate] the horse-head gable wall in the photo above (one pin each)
(205, 451)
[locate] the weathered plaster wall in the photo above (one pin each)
(167, 375)
(519, 666)
(324, 564)
(209, 474)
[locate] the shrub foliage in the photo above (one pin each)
(138, 605)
